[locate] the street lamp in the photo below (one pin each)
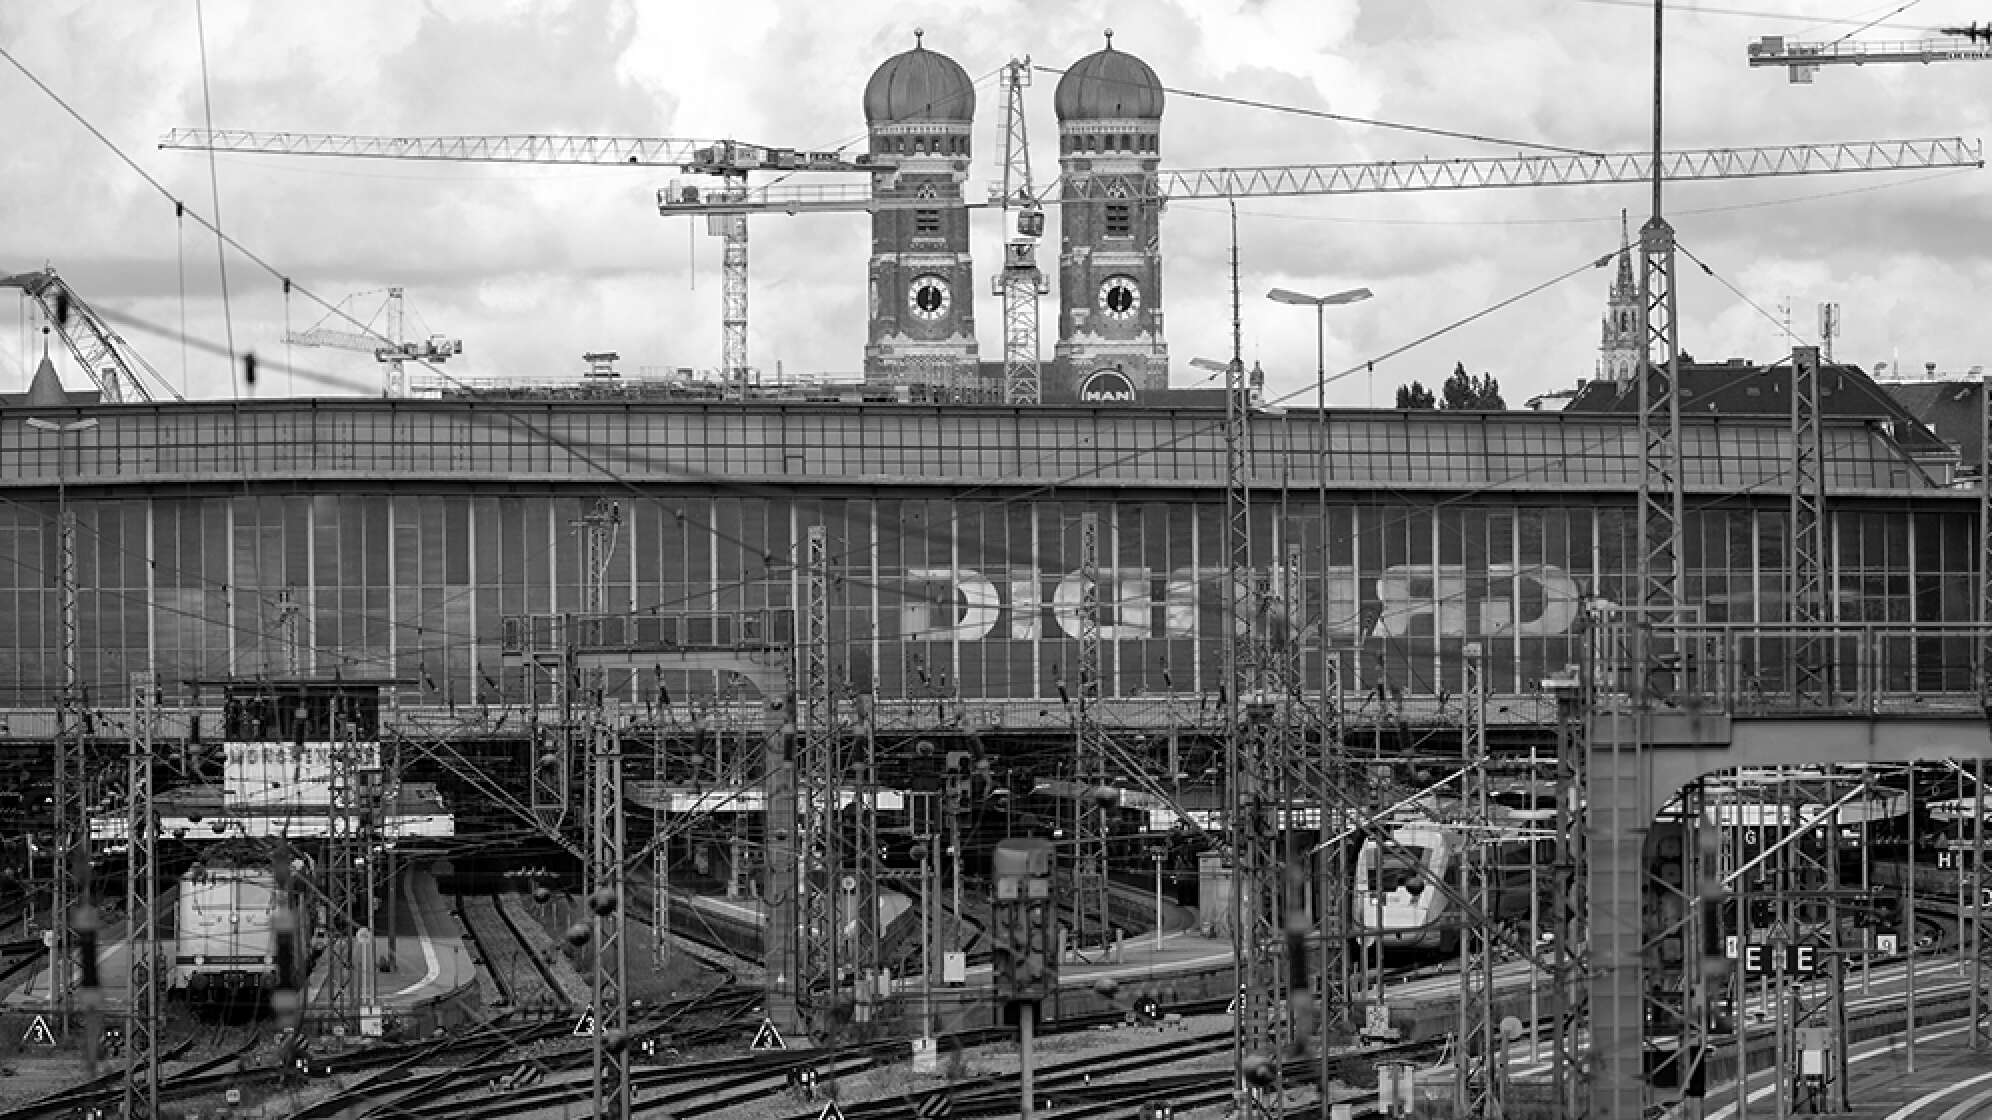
(1331, 848)
(1298, 299)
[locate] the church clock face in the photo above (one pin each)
(1120, 297)
(930, 296)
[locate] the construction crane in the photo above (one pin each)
(388, 347)
(728, 160)
(1958, 44)
(1429, 175)
(1021, 282)
(118, 372)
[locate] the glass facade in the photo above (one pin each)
(377, 540)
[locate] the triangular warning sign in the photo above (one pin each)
(769, 1038)
(830, 1112)
(38, 1033)
(1778, 936)
(584, 1027)
(1232, 1007)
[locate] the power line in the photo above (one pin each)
(1296, 110)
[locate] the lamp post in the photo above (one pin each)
(1319, 303)
(69, 875)
(1331, 848)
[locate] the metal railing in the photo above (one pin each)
(1748, 669)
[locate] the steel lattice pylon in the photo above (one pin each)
(1811, 887)
(1980, 931)
(607, 897)
(1088, 896)
(1807, 591)
(70, 887)
(1979, 925)
(862, 867)
(816, 797)
(1477, 1089)
(1331, 883)
(1257, 869)
(1660, 498)
(339, 1007)
(1286, 660)
(1985, 537)
(1570, 1067)
(1673, 888)
(141, 1024)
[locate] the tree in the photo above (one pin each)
(1465, 391)
(1415, 395)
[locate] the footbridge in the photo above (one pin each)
(1657, 707)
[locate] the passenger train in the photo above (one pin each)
(239, 932)
(1398, 899)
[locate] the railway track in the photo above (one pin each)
(513, 961)
(104, 1087)
(496, 1065)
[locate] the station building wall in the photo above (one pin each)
(972, 594)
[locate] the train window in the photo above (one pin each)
(1398, 867)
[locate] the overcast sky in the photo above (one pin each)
(532, 266)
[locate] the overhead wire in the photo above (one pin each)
(1343, 118)
(1698, 10)
(1898, 10)
(214, 189)
(721, 482)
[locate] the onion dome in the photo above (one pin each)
(1108, 85)
(919, 85)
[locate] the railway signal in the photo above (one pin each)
(1023, 932)
(1024, 959)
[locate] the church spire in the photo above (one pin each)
(1620, 346)
(1625, 258)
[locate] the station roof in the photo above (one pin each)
(814, 446)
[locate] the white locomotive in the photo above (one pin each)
(230, 947)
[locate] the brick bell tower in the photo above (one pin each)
(1109, 107)
(919, 108)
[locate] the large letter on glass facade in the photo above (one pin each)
(967, 602)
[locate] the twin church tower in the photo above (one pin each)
(919, 110)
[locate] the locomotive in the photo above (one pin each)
(240, 933)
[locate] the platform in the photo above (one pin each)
(421, 969)
(1947, 1081)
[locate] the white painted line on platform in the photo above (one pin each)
(1776, 1079)
(429, 958)
(1970, 1107)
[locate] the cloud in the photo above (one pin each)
(533, 265)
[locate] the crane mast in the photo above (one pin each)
(1021, 281)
